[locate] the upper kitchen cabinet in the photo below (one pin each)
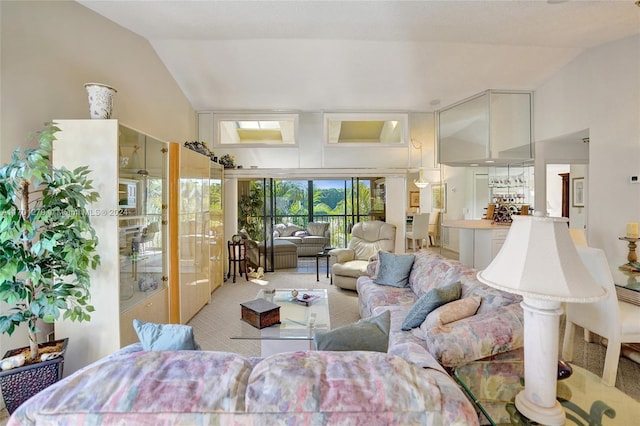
(493, 127)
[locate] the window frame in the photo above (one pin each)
(401, 118)
(224, 117)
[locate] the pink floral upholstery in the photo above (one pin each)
(496, 327)
(143, 388)
(353, 388)
(134, 387)
(371, 295)
(476, 337)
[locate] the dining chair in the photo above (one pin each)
(617, 321)
(419, 230)
(434, 229)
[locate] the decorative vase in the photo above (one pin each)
(126, 289)
(100, 99)
(134, 161)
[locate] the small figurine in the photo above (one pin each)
(256, 274)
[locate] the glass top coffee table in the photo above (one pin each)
(493, 385)
(298, 323)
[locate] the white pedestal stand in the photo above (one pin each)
(537, 400)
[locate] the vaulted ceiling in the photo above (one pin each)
(365, 55)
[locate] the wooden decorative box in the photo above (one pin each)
(260, 313)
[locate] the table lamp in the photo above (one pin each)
(539, 261)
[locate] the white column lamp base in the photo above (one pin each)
(552, 416)
(537, 401)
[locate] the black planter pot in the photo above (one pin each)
(21, 383)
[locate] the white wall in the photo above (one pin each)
(578, 215)
(600, 91)
(312, 159)
(311, 151)
(50, 49)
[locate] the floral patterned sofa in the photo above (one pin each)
(136, 387)
(497, 325)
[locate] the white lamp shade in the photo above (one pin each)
(539, 260)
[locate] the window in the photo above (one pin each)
(365, 128)
(255, 129)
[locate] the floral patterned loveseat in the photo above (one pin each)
(497, 325)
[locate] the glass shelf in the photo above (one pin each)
(141, 223)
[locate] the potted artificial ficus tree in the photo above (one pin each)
(47, 247)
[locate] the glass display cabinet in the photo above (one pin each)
(216, 240)
(142, 190)
(129, 171)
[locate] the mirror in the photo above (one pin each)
(365, 128)
(255, 129)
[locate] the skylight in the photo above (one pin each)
(247, 129)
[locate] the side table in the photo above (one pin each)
(493, 385)
(324, 253)
(237, 253)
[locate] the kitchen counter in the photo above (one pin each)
(474, 224)
(480, 240)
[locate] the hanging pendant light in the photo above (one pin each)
(421, 182)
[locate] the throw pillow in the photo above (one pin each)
(394, 269)
(317, 228)
(302, 233)
(372, 268)
(289, 230)
(452, 311)
(368, 334)
(279, 229)
(429, 301)
(165, 337)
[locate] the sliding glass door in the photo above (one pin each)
(263, 203)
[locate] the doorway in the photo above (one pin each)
(561, 199)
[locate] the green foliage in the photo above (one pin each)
(47, 243)
(250, 211)
(329, 197)
(291, 198)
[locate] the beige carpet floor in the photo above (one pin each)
(219, 321)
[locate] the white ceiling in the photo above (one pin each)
(365, 55)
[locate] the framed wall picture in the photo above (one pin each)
(414, 199)
(439, 197)
(578, 192)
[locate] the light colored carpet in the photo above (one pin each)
(220, 320)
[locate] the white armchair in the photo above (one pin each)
(617, 321)
(367, 238)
